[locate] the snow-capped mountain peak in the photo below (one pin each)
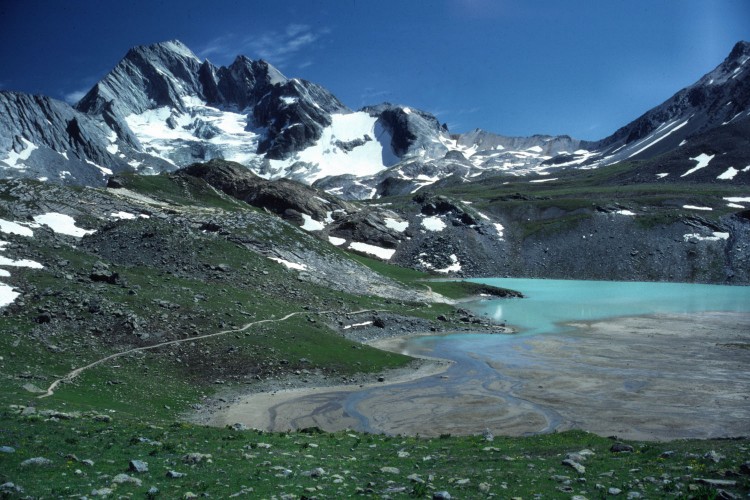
(161, 108)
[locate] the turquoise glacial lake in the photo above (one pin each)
(549, 303)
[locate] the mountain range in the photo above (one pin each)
(162, 108)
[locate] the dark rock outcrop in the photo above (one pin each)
(282, 197)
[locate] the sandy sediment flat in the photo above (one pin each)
(315, 406)
(645, 377)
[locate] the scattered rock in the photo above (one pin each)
(10, 488)
(441, 495)
(725, 483)
(621, 448)
(37, 462)
(125, 479)
(574, 465)
(196, 458)
(390, 470)
(614, 491)
(138, 466)
(173, 474)
(101, 492)
(7, 449)
(314, 473)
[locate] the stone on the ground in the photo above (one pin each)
(36, 462)
(125, 479)
(138, 466)
(574, 465)
(621, 448)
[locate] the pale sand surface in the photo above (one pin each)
(650, 377)
(315, 406)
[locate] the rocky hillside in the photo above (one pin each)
(582, 226)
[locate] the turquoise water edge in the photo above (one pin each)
(548, 303)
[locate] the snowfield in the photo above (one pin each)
(715, 237)
(15, 228)
(311, 224)
(369, 158)
(14, 158)
(703, 160)
(453, 268)
(62, 224)
(7, 295)
(396, 225)
(289, 265)
(380, 252)
(433, 223)
(227, 129)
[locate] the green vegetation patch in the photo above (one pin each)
(57, 454)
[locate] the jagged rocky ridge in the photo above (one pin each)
(162, 108)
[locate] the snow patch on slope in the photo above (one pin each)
(14, 158)
(311, 224)
(163, 131)
(289, 265)
(380, 252)
(728, 174)
(433, 223)
(372, 156)
(62, 224)
(9, 227)
(453, 268)
(661, 133)
(396, 225)
(703, 160)
(716, 236)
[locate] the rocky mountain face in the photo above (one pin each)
(162, 108)
(697, 135)
(46, 139)
(465, 205)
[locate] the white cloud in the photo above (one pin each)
(75, 96)
(277, 47)
(371, 96)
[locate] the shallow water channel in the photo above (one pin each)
(639, 360)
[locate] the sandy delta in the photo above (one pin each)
(645, 377)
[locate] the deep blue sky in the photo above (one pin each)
(515, 67)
